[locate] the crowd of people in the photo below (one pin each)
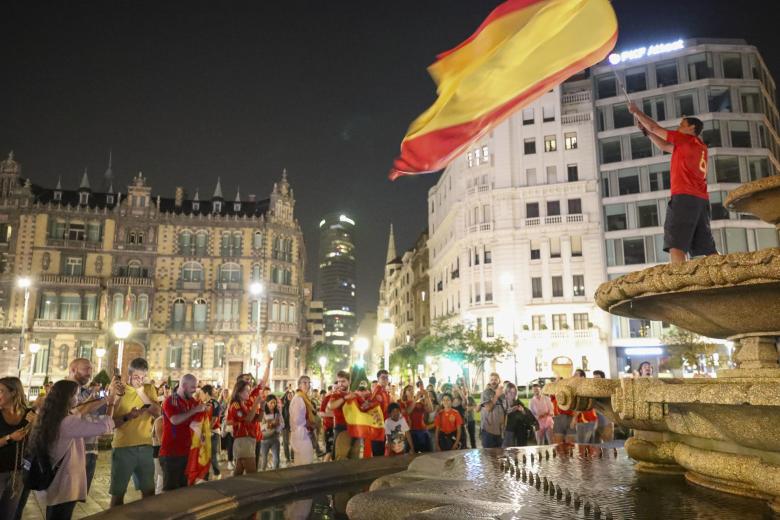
(158, 432)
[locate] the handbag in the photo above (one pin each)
(39, 471)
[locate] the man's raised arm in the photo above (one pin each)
(660, 143)
(648, 122)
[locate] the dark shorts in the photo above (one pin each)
(687, 226)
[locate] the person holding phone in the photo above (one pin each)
(417, 406)
(132, 454)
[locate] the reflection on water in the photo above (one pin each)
(327, 506)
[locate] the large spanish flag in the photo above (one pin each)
(368, 425)
(522, 50)
(199, 459)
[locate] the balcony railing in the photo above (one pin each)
(576, 97)
(486, 226)
(67, 324)
(282, 327)
(189, 285)
(228, 286)
(553, 219)
(579, 217)
(563, 334)
(479, 188)
(64, 279)
(579, 117)
(136, 281)
(533, 221)
(74, 244)
(284, 289)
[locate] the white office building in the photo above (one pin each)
(516, 243)
(726, 84)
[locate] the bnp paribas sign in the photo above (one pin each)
(640, 52)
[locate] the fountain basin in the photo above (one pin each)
(759, 198)
(707, 296)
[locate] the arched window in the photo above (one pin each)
(134, 268)
(237, 244)
(174, 355)
(201, 243)
(225, 244)
(185, 242)
(256, 273)
(287, 277)
(283, 315)
(291, 314)
(275, 311)
(196, 354)
(192, 272)
(199, 312)
(230, 273)
(275, 274)
(62, 359)
(131, 308)
(142, 311)
(257, 240)
(118, 307)
(179, 308)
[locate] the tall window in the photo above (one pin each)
(257, 240)
(550, 143)
(548, 113)
(572, 175)
(192, 272)
(489, 327)
(576, 246)
(143, 307)
(225, 244)
(647, 211)
(70, 307)
(529, 146)
(574, 206)
(48, 309)
(62, 357)
(256, 274)
(559, 321)
(610, 150)
(174, 355)
(41, 360)
(219, 355)
(196, 354)
(185, 242)
(118, 307)
(230, 273)
(84, 350)
(732, 66)
(537, 322)
(74, 266)
(536, 287)
(199, 312)
(528, 116)
(580, 320)
(553, 208)
(201, 243)
(570, 140)
(578, 285)
(666, 73)
(552, 174)
(236, 244)
(179, 308)
(557, 286)
(89, 306)
(700, 66)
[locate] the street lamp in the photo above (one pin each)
(23, 282)
(386, 333)
(323, 361)
(361, 345)
(271, 349)
(256, 289)
(100, 353)
(507, 281)
(33, 348)
(122, 330)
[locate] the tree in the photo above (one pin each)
(686, 347)
(334, 355)
(406, 358)
(102, 378)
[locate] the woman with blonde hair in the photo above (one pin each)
(15, 423)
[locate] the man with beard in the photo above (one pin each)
(492, 413)
(178, 411)
(350, 447)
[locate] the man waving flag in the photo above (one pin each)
(522, 50)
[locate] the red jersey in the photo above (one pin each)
(557, 410)
(689, 165)
(327, 422)
(448, 421)
(176, 438)
(237, 415)
(382, 398)
(338, 413)
(417, 417)
(587, 416)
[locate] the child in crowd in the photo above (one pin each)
(398, 438)
(448, 422)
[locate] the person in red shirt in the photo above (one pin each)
(417, 407)
(244, 415)
(585, 422)
(344, 445)
(178, 411)
(380, 397)
(448, 424)
(327, 421)
(563, 430)
(687, 226)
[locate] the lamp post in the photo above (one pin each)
(508, 281)
(323, 361)
(386, 332)
(256, 290)
(33, 348)
(271, 349)
(122, 330)
(100, 353)
(361, 345)
(23, 282)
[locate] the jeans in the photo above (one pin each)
(227, 445)
(91, 464)
(214, 453)
(421, 440)
(8, 499)
(378, 448)
(62, 511)
(271, 445)
(288, 456)
(490, 440)
(174, 472)
(471, 428)
(447, 441)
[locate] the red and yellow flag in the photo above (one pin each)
(368, 425)
(522, 50)
(199, 459)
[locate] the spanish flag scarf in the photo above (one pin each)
(311, 418)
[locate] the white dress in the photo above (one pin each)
(300, 439)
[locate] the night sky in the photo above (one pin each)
(189, 91)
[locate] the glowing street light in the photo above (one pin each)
(122, 330)
(361, 345)
(386, 333)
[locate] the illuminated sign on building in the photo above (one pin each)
(641, 52)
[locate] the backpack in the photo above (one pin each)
(39, 471)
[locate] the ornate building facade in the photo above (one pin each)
(179, 269)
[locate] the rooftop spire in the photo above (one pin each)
(218, 190)
(238, 193)
(59, 183)
(85, 181)
(390, 245)
(196, 198)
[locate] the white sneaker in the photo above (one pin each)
(231, 466)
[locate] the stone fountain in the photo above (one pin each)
(722, 433)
